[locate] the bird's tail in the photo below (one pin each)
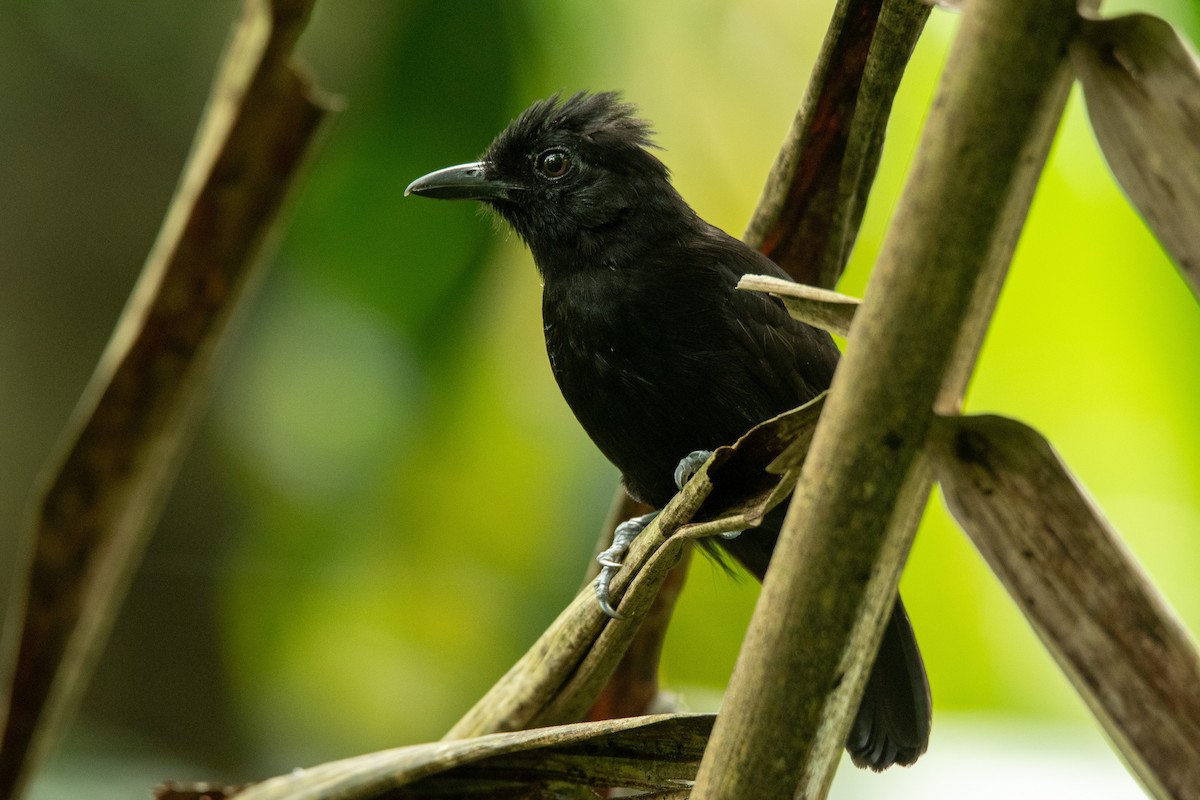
(893, 722)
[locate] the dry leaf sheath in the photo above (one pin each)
(1095, 610)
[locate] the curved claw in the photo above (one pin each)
(689, 465)
(611, 559)
(603, 596)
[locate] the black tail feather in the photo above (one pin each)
(892, 725)
(893, 722)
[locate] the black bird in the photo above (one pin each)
(655, 351)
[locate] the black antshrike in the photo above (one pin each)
(654, 349)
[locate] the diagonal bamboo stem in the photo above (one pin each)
(808, 216)
(94, 512)
(824, 601)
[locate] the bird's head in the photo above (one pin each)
(567, 175)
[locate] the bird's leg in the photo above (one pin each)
(610, 560)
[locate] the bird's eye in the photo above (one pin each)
(554, 163)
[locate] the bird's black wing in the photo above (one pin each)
(787, 361)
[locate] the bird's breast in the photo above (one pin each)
(604, 346)
(636, 378)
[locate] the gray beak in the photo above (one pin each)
(464, 182)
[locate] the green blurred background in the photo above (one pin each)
(318, 586)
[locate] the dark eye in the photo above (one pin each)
(554, 163)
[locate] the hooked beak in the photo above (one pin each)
(464, 182)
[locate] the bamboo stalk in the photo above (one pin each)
(851, 522)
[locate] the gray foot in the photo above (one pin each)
(689, 465)
(611, 559)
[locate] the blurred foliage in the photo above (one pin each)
(389, 500)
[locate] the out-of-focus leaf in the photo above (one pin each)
(1089, 601)
(649, 754)
(813, 201)
(122, 447)
(355, 222)
(823, 308)
(1142, 85)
